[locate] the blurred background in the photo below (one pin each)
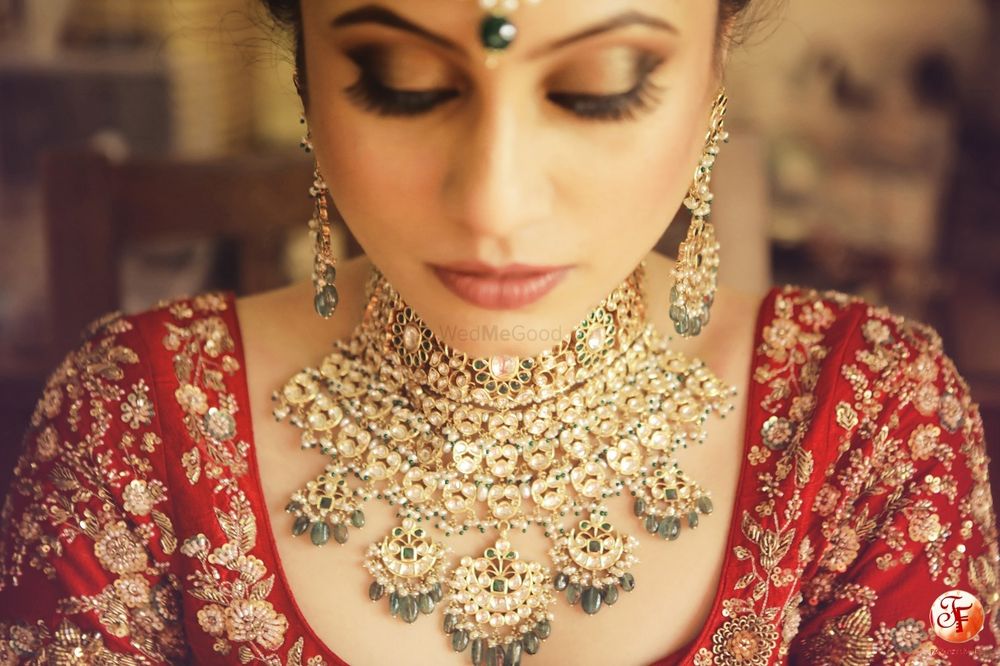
(149, 149)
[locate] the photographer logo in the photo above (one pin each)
(957, 616)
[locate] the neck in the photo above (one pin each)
(392, 335)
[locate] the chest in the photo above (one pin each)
(676, 581)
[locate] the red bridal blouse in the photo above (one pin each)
(135, 531)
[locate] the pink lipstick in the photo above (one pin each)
(499, 288)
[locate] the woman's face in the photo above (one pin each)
(573, 155)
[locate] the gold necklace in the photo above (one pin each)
(504, 443)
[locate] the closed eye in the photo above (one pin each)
(370, 93)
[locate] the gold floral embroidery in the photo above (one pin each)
(748, 639)
(137, 410)
(235, 585)
(203, 357)
(84, 476)
(793, 350)
(843, 641)
(232, 582)
(909, 637)
(885, 489)
(141, 496)
(66, 646)
(119, 550)
(876, 490)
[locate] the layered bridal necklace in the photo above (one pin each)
(501, 445)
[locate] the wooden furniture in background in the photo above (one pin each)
(94, 206)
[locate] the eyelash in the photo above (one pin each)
(374, 96)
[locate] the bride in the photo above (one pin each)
(510, 431)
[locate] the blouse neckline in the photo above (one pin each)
(680, 655)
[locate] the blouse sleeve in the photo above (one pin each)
(86, 536)
(906, 511)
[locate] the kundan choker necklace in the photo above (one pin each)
(501, 445)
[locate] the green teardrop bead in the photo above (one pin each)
(393, 604)
(320, 533)
(459, 640)
(652, 524)
(512, 654)
(670, 528)
(301, 525)
(449, 624)
(591, 600)
(340, 533)
(543, 629)
(408, 609)
(326, 301)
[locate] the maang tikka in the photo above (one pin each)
(496, 31)
(696, 271)
(324, 271)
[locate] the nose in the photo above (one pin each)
(496, 183)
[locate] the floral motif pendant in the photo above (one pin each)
(666, 496)
(593, 562)
(325, 506)
(499, 605)
(411, 567)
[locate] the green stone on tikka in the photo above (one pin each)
(496, 32)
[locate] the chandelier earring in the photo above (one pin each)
(324, 271)
(696, 271)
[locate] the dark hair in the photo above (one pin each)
(287, 14)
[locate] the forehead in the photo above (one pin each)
(540, 23)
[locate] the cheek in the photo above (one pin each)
(638, 184)
(378, 179)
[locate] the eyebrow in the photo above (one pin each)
(384, 16)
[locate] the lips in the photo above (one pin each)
(499, 288)
(480, 268)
